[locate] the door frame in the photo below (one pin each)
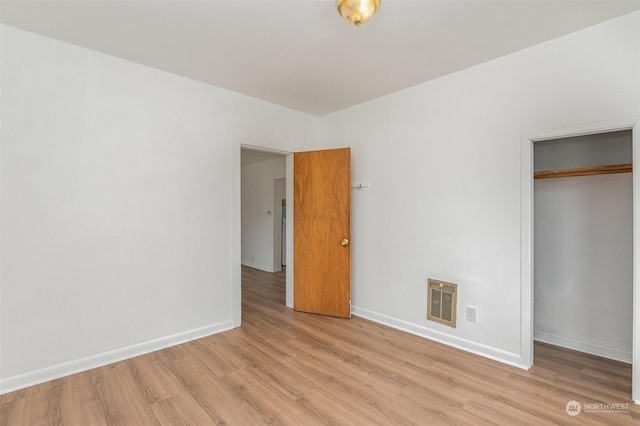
(526, 269)
(236, 227)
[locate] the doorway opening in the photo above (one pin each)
(323, 178)
(583, 243)
(265, 182)
(532, 311)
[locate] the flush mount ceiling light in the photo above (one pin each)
(357, 11)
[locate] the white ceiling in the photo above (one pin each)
(300, 53)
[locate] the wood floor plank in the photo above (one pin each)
(120, 397)
(500, 413)
(181, 409)
(213, 394)
(290, 368)
(154, 380)
(271, 401)
(428, 408)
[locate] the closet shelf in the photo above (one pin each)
(584, 171)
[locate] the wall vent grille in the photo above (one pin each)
(441, 302)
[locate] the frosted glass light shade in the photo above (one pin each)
(357, 11)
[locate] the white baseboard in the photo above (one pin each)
(256, 266)
(46, 374)
(446, 339)
(581, 346)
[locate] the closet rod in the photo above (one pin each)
(584, 171)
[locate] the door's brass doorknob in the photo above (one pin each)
(344, 242)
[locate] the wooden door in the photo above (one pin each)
(322, 232)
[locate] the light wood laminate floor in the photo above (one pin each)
(285, 367)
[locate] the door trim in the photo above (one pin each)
(527, 296)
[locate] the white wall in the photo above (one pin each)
(118, 206)
(443, 159)
(583, 263)
(258, 192)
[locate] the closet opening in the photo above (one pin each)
(583, 243)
